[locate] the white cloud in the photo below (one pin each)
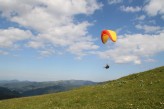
(9, 37)
(150, 60)
(114, 1)
(47, 52)
(53, 20)
(134, 48)
(154, 7)
(148, 28)
(142, 17)
(45, 14)
(35, 44)
(73, 37)
(130, 9)
(3, 52)
(79, 47)
(127, 59)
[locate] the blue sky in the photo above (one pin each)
(50, 40)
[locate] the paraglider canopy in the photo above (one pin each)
(106, 34)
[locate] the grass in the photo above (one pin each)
(143, 90)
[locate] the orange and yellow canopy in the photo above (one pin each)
(106, 34)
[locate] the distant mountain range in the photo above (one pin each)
(6, 93)
(28, 88)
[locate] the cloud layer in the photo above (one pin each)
(114, 1)
(51, 27)
(53, 21)
(9, 37)
(130, 9)
(154, 7)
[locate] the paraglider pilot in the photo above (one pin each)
(107, 66)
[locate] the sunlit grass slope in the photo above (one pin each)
(143, 90)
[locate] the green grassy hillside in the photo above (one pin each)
(138, 91)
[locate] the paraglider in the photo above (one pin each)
(108, 34)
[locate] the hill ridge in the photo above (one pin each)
(143, 90)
